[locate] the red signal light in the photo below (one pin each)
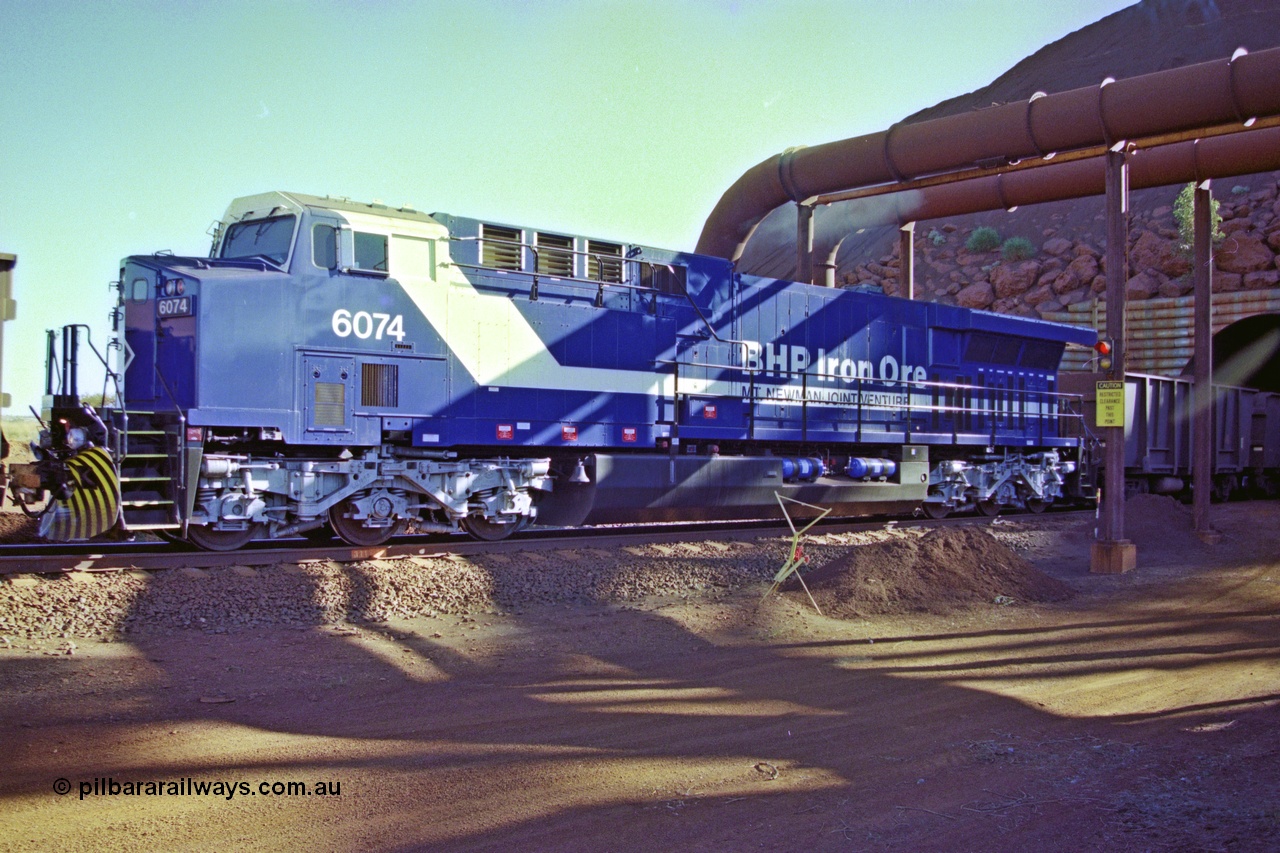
(1103, 347)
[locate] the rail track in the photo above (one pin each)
(36, 558)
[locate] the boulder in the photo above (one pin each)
(1174, 287)
(1050, 306)
(1082, 270)
(1273, 239)
(1037, 295)
(1244, 252)
(1056, 246)
(1226, 282)
(978, 295)
(1142, 286)
(1013, 279)
(1065, 281)
(1152, 252)
(1261, 280)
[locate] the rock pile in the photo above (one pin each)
(1070, 264)
(939, 572)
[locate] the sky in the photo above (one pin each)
(128, 127)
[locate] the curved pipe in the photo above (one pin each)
(1196, 160)
(1190, 98)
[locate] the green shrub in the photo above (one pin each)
(1184, 215)
(1017, 249)
(936, 237)
(983, 239)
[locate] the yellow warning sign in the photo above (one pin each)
(1110, 398)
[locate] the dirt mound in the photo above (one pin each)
(935, 573)
(1157, 519)
(16, 528)
(1157, 522)
(1161, 524)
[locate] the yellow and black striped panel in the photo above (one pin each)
(94, 503)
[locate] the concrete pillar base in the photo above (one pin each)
(1209, 536)
(1113, 557)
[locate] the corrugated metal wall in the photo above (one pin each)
(1160, 334)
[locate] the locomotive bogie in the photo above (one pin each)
(990, 482)
(375, 493)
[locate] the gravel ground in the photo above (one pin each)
(103, 606)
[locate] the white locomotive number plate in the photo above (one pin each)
(176, 306)
(364, 325)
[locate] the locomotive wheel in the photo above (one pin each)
(220, 540)
(1037, 506)
(490, 531)
(936, 510)
(988, 508)
(352, 530)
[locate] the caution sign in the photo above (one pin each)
(1110, 399)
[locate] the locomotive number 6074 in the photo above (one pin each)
(365, 325)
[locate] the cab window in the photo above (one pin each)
(324, 246)
(270, 238)
(371, 252)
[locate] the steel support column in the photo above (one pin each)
(1112, 553)
(1202, 402)
(7, 310)
(804, 244)
(907, 261)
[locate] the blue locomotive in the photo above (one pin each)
(349, 368)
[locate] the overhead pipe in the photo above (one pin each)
(1223, 156)
(1194, 97)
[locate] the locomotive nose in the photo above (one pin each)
(90, 499)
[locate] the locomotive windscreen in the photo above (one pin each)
(270, 238)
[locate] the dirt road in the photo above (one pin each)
(1139, 714)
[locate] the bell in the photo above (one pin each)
(579, 474)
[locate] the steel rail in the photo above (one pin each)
(156, 556)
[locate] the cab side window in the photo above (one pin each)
(324, 246)
(371, 252)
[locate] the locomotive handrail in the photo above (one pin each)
(68, 376)
(1051, 405)
(600, 283)
(789, 373)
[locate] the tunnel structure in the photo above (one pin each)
(1247, 353)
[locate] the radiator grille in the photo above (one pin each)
(604, 261)
(555, 255)
(379, 385)
(500, 247)
(331, 404)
